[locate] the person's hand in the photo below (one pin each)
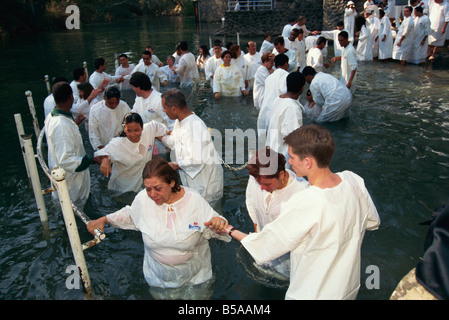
(326, 65)
(104, 84)
(174, 165)
(105, 167)
(245, 92)
(164, 83)
(217, 95)
(348, 85)
(79, 119)
(217, 224)
(96, 224)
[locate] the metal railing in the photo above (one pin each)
(248, 5)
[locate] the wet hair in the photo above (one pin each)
(123, 56)
(321, 40)
(296, 31)
(161, 169)
(55, 80)
(419, 9)
(308, 71)
(340, 24)
(265, 57)
(266, 163)
(225, 53)
(112, 92)
(183, 46)
(130, 117)
(99, 62)
(205, 50)
(278, 40)
(312, 140)
(61, 92)
(175, 97)
(146, 52)
(140, 80)
(359, 22)
(381, 13)
(280, 60)
(217, 43)
(87, 89)
(171, 58)
(295, 82)
(344, 34)
(78, 73)
(233, 50)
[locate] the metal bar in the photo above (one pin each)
(29, 96)
(47, 84)
(21, 131)
(85, 68)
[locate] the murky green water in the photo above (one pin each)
(396, 138)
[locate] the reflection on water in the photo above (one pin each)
(395, 138)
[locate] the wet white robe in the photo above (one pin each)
(332, 96)
(253, 62)
(403, 52)
(153, 72)
(187, 69)
(373, 24)
(385, 47)
(348, 64)
(421, 30)
(229, 81)
(106, 123)
(365, 45)
(259, 86)
(195, 154)
(173, 256)
(333, 35)
(292, 64)
(211, 66)
(438, 15)
(128, 158)
(349, 21)
(315, 59)
(151, 109)
(324, 238)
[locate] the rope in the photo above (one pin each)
(232, 168)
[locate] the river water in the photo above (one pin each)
(396, 138)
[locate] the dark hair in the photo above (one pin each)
(312, 140)
(419, 9)
(61, 92)
(99, 62)
(146, 52)
(55, 80)
(279, 40)
(233, 50)
(266, 163)
(359, 22)
(140, 80)
(183, 46)
(129, 118)
(174, 97)
(340, 24)
(87, 89)
(225, 53)
(78, 73)
(321, 40)
(205, 50)
(344, 34)
(123, 56)
(112, 92)
(280, 60)
(295, 82)
(161, 169)
(308, 71)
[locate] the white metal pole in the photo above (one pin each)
(35, 182)
(47, 83)
(210, 42)
(85, 68)
(20, 132)
(58, 175)
(29, 96)
(238, 38)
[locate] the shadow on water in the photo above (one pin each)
(396, 138)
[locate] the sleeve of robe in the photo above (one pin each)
(65, 149)
(217, 80)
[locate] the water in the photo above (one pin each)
(396, 138)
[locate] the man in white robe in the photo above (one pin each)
(279, 47)
(266, 46)
(348, 60)
(213, 63)
(288, 28)
(194, 154)
(292, 43)
(333, 35)
(98, 78)
(275, 85)
(187, 68)
(403, 43)
(301, 54)
(253, 61)
(106, 117)
(373, 24)
(385, 37)
(155, 74)
(439, 18)
(421, 33)
(125, 68)
(330, 94)
(65, 145)
(79, 76)
(349, 19)
(259, 78)
(315, 56)
(148, 102)
(323, 236)
(301, 24)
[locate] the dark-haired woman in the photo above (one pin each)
(171, 219)
(129, 153)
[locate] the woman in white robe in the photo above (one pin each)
(171, 219)
(420, 35)
(403, 44)
(129, 153)
(228, 79)
(365, 41)
(385, 37)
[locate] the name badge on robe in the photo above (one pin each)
(151, 111)
(195, 226)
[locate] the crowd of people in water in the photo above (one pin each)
(309, 222)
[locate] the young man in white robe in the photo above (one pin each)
(259, 78)
(286, 115)
(105, 118)
(288, 28)
(330, 94)
(292, 43)
(348, 60)
(439, 18)
(275, 85)
(253, 61)
(385, 37)
(279, 47)
(65, 145)
(193, 152)
(403, 44)
(315, 56)
(155, 74)
(187, 68)
(323, 236)
(333, 35)
(79, 76)
(301, 54)
(125, 68)
(421, 33)
(213, 63)
(98, 78)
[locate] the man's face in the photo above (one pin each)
(279, 48)
(343, 41)
(217, 51)
(123, 61)
(296, 163)
(407, 12)
(168, 110)
(146, 59)
(252, 47)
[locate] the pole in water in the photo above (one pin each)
(47, 83)
(238, 38)
(58, 175)
(29, 96)
(20, 132)
(85, 68)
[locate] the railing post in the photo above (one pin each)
(29, 96)
(85, 68)
(47, 84)
(20, 132)
(58, 174)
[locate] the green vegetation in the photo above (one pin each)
(18, 16)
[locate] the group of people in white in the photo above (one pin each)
(164, 152)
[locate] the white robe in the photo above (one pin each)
(151, 109)
(333, 35)
(373, 24)
(332, 96)
(421, 30)
(349, 21)
(324, 238)
(301, 57)
(211, 66)
(259, 86)
(76, 95)
(241, 63)
(106, 123)
(275, 85)
(172, 77)
(315, 59)
(292, 64)
(348, 64)
(120, 71)
(187, 70)
(66, 150)
(229, 81)
(177, 256)
(153, 72)
(265, 207)
(128, 158)
(253, 62)
(96, 78)
(385, 47)
(195, 154)
(296, 46)
(49, 104)
(438, 15)
(403, 52)
(365, 45)
(286, 30)
(266, 47)
(286, 116)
